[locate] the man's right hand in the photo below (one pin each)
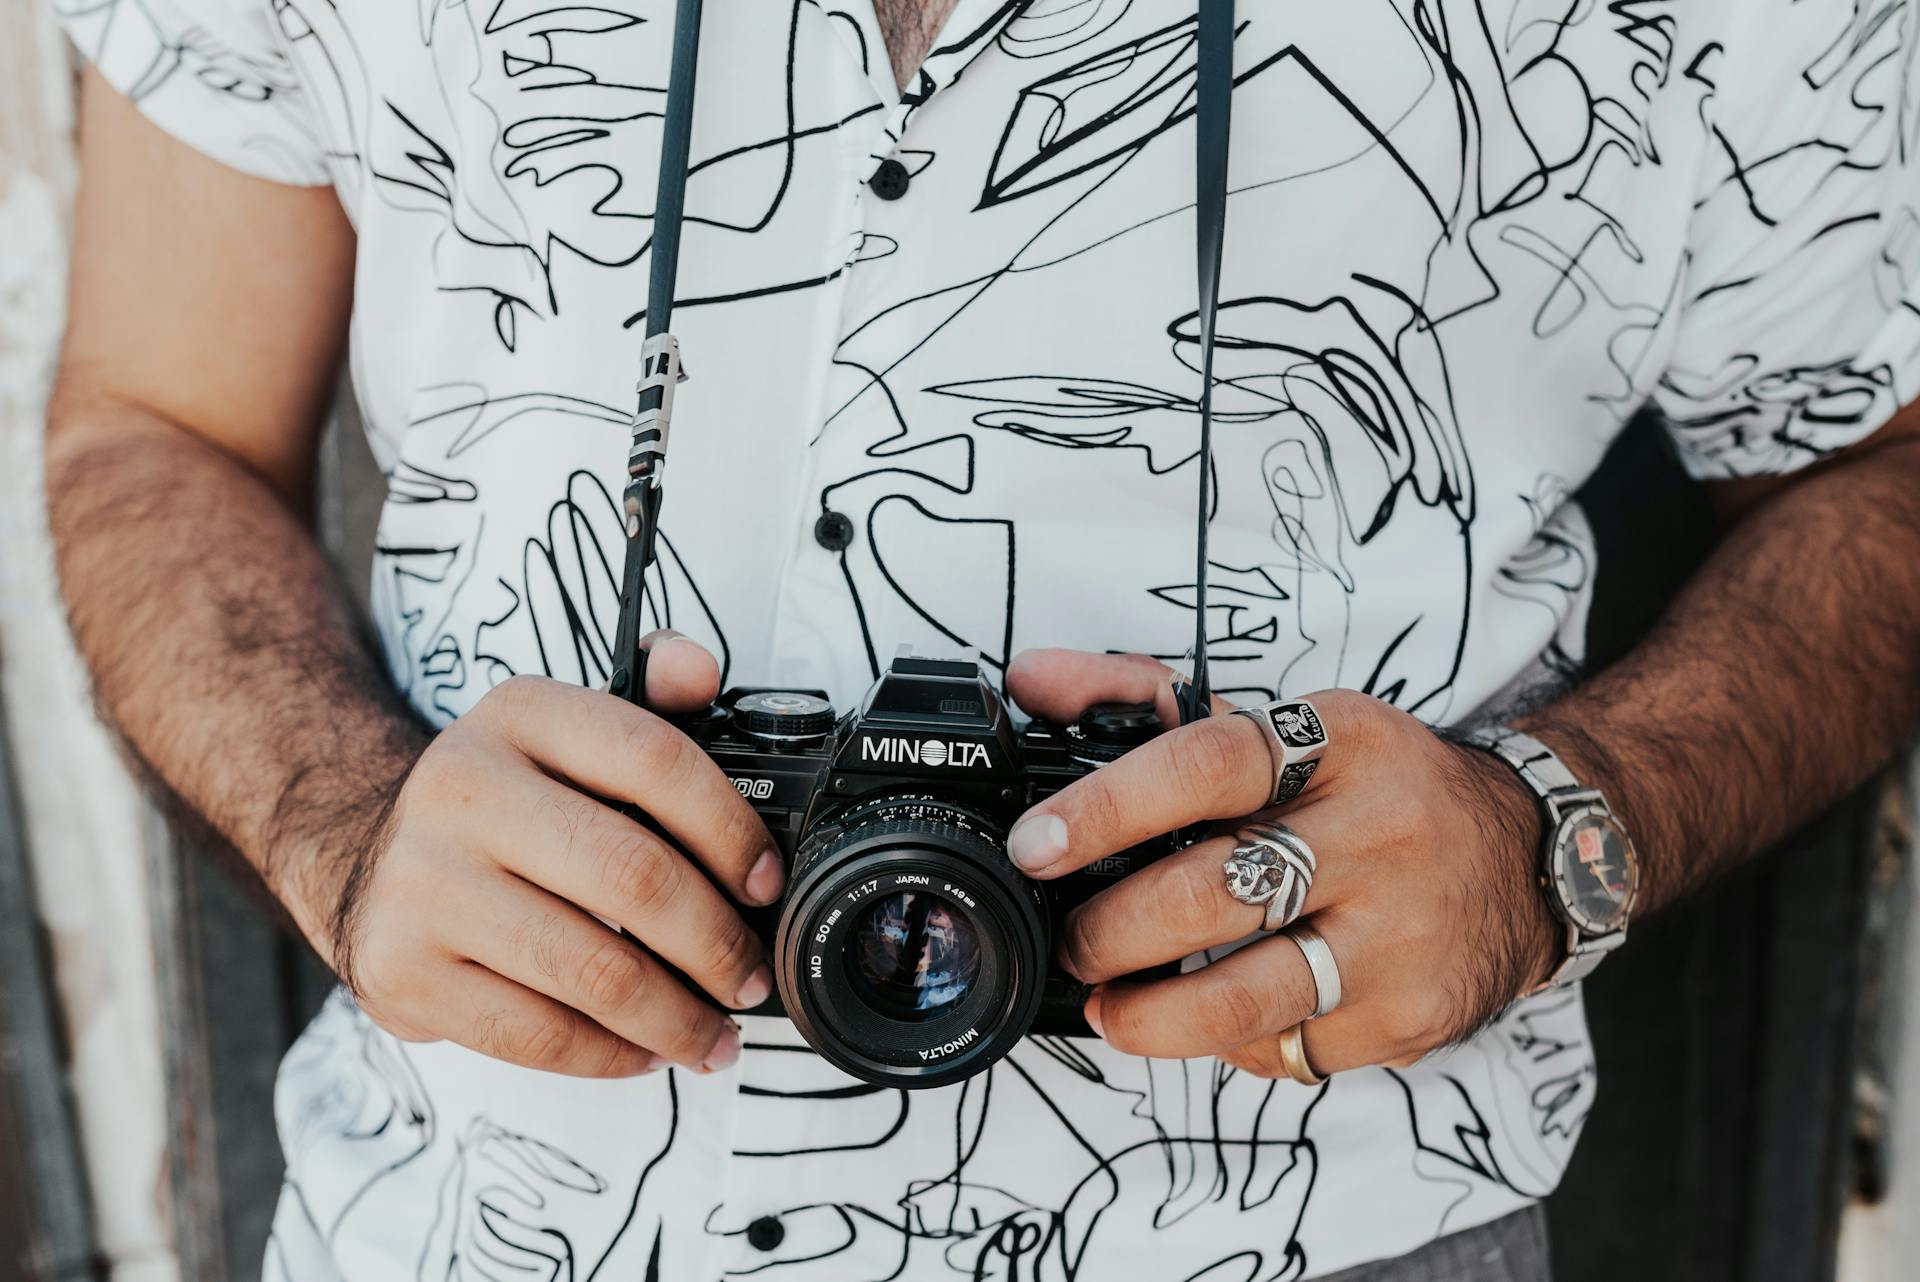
(477, 913)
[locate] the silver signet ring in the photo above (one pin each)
(1295, 737)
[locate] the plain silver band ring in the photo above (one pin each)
(1326, 971)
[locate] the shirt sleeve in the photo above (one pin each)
(1799, 330)
(213, 73)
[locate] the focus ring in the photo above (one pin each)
(873, 816)
(990, 852)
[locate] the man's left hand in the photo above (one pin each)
(1425, 890)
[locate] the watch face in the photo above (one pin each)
(1594, 870)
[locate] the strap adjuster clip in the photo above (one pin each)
(661, 372)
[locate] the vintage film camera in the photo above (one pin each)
(909, 949)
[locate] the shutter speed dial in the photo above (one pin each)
(783, 716)
(1106, 731)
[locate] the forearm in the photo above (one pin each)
(222, 648)
(1785, 673)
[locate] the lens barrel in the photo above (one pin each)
(910, 951)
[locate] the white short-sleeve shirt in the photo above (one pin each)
(1466, 242)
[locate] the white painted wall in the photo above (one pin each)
(90, 834)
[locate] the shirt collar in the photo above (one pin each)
(967, 32)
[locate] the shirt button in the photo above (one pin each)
(890, 181)
(766, 1233)
(833, 531)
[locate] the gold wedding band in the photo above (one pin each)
(1293, 1056)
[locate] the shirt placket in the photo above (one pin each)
(878, 170)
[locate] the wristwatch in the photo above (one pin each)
(1588, 869)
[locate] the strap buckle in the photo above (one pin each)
(660, 373)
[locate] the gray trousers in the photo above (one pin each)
(1513, 1249)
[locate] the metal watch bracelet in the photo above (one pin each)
(1560, 795)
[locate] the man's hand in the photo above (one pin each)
(1425, 886)
(472, 916)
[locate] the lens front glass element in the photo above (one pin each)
(913, 956)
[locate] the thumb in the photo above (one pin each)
(1061, 684)
(681, 675)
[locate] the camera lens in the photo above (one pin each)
(910, 950)
(913, 956)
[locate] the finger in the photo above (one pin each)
(1261, 1056)
(1390, 1028)
(597, 858)
(681, 675)
(552, 948)
(1180, 905)
(1061, 684)
(610, 748)
(507, 1021)
(1259, 990)
(1214, 769)
(1387, 1016)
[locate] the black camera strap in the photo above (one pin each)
(660, 356)
(660, 369)
(1212, 121)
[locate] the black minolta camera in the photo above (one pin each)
(909, 949)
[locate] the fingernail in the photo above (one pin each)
(1038, 841)
(755, 990)
(767, 878)
(654, 642)
(1092, 1012)
(651, 1064)
(725, 1052)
